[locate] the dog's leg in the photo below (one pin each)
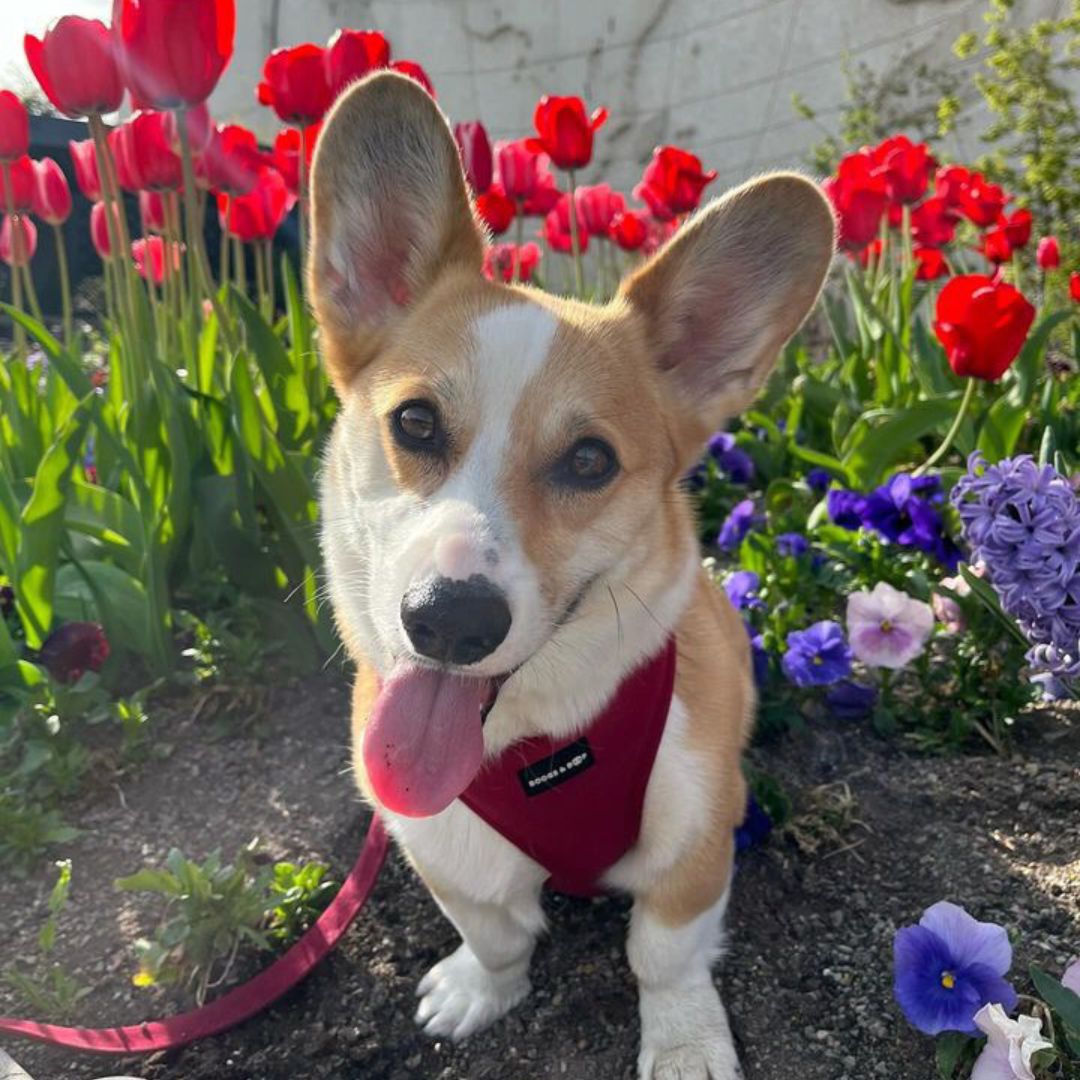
(489, 972)
(684, 1028)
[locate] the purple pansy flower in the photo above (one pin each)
(819, 480)
(817, 656)
(846, 508)
(741, 588)
(759, 656)
(736, 464)
(948, 967)
(792, 544)
(736, 525)
(755, 828)
(849, 700)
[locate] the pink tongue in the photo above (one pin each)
(424, 741)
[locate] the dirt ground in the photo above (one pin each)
(807, 979)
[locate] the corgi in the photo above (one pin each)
(548, 686)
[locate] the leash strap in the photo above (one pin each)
(244, 1001)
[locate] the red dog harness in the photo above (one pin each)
(575, 805)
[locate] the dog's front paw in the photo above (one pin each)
(460, 996)
(685, 1036)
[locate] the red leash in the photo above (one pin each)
(243, 1002)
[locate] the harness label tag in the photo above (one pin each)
(563, 765)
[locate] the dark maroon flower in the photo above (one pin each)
(72, 650)
(472, 140)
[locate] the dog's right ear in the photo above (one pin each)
(390, 213)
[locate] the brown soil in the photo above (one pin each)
(808, 975)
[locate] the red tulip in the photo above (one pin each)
(869, 254)
(659, 232)
(1048, 253)
(149, 256)
(52, 196)
(144, 156)
(13, 223)
(294, 84)
(172, 52)
(1074, 286)
(597, 206)
(564, 131)
(99, 229)
(982, 324)
(77, 647)
(476, 159)
(75, 63)
(949, 184)
(499, 261)
(259, 214)
(933, 223)
(14, 127)
(857, 193)
(231, 161)
(557, 229)
(352, 54)
(673, 182)
(84, 158)
(1017, 226)
(629, 229)
(496, 209)
(518, 168)
(980, 201)
(415, 72)
(153, 211)
(905, 167)
(200, 129)
(20, 180)
(996, 246)
(287, 154)
(931, 264)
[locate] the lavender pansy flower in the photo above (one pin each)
(817, 656)
(887, 628)
(1071, 979)
(948, 967)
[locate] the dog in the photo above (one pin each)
(510, 550)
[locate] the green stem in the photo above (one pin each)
(260, 280)
(31, 292)
(240, 260)
(271, 287)
(196, 240)
(16, 247)
(946, 443)
(575, 245)
(65, 285)
(301, 172)
(519, 237)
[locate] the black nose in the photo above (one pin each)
(455, 622)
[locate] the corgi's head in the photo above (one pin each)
(505, 460)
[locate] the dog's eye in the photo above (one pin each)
(588, 464)
(415, 425)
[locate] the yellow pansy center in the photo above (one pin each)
(948, 980)
(818, 661)
(886, 625)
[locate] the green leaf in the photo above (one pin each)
(984, 593)
(871, 448)
(1060, 998)
(951, 1048)
(1002, 427)
(149, 880)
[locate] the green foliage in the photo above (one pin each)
(43, 985)
(1035, 131)
(214, 910)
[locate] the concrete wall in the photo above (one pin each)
(714, 75)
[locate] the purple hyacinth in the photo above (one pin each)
(741, 588)
(735, 464)
(817, 656)
(948, 967)
(1023, 523)
(792, 544)
(736, 525)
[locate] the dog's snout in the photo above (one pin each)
(456, 622)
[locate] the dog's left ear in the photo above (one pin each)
(722, 298)
(390, 214)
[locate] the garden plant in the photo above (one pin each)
(896, 518)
